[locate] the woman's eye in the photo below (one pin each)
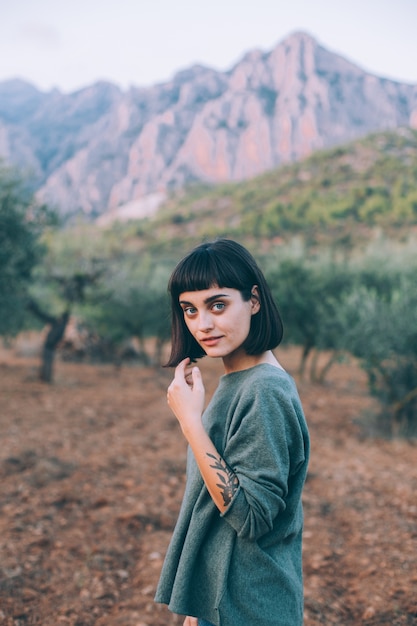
(189, 311)
(218, 306)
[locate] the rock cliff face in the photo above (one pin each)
(96, 150)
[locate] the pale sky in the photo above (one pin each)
(70, 44)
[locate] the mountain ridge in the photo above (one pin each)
(100, 148)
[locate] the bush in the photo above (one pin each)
(308, 296)
(382, 333)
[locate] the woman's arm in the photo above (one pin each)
(186, 399)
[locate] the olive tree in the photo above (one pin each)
(382, 333)
(308, 295)
(21, 224)
(133, 303)
(71, 269)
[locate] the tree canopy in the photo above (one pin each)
(21, 223)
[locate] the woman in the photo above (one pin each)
(235, 555)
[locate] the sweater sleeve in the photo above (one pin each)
(265, 448)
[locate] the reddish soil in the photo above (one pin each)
(92, 474)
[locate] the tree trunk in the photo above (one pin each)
(46, 368)
(326, 368)
(307, 347)
(54, 336)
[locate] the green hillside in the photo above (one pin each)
(334, 195)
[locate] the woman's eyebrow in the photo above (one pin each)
(209, 299)
(216, 297)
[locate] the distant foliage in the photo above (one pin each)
(309, 295)
(382, 332)
(344, 184)
(132, 302)
(366, 307)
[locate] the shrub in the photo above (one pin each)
(382, 333)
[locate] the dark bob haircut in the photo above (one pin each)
(222, 263)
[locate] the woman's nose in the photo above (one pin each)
(205, 321)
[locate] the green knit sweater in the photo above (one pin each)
(244, 567)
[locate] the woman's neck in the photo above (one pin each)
(242, 361)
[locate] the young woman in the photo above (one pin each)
(235, 555)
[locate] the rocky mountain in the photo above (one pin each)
(101, 150)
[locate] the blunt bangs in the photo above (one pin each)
(205, 267)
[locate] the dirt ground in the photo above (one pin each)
(92, 474)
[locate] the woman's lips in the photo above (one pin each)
(210, 341)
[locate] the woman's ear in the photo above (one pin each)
(256, 304)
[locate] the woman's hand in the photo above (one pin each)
(186, 396)
(186, 399)
(190, 621)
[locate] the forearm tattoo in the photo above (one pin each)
(229, 482)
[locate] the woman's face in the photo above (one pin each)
(219, 320)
